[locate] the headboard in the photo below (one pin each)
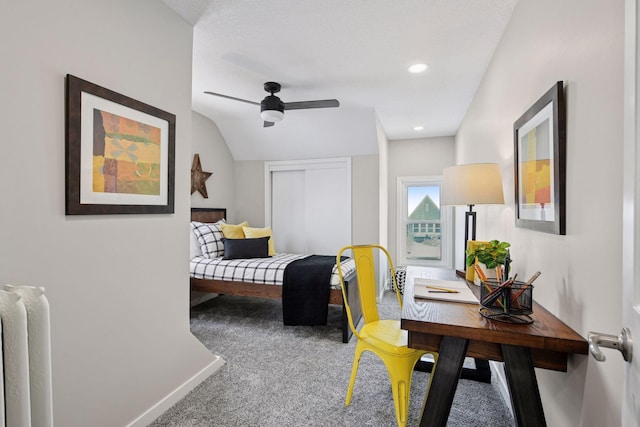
(208, 214)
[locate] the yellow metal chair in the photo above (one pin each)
(382, 337)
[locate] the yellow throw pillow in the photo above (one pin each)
(261, 232)
(232, 231)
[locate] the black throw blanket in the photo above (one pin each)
(305, 290)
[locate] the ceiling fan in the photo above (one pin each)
(272, 108)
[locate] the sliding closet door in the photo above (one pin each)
(308, 204)
(287, 196)
(327, 211)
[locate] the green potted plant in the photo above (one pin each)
(491, 254)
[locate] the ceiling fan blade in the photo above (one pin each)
(324, 103)
(231, 97)
(268, 124)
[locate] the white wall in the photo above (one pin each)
(249, 187)
(118, 284)
(215, 157)
(414, 157)
(364, 203)
(581, 43)
(383, 184)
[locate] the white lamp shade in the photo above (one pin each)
(272, 115)
(473, 184)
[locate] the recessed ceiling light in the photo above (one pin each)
(417, 128)
(417, 68)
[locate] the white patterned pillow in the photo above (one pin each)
(210, 238)
(194, 245)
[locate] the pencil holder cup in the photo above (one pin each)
(508, 303)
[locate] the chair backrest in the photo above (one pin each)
(363, 256)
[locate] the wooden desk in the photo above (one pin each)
(456, 330)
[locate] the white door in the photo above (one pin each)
(308, 205)
(288, 218)
(328, 210)
(631, 214)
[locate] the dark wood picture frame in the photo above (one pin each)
(540, 164)
(83, 130)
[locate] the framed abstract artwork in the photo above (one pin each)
(540, 158)
(120, 153)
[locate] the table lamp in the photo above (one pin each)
(472, 184)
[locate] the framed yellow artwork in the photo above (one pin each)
(539, 154)
(119, 153)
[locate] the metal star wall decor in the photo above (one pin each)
(198, 177)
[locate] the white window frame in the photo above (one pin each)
(446, 224)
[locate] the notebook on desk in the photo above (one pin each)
(443, 290)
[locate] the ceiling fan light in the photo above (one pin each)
(272, 115)
(271, 109)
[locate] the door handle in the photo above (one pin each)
(622, 342)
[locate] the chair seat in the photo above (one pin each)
(387, 336)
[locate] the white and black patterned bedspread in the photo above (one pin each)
(267, 271)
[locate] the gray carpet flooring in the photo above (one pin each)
(279, 375)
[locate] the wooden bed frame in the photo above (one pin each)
(272, 291)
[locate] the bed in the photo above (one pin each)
(269, 286)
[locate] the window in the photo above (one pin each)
(424, 227)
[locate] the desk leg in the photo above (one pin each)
(523, 386)
(443, 383)
(482, 373)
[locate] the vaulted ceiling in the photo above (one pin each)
(357, 51)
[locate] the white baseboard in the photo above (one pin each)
(172, 398)
(498, 372)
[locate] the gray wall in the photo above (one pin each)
(414, 157)
(581, 43)
(117, 284)
(249, 196)
(207, 141)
